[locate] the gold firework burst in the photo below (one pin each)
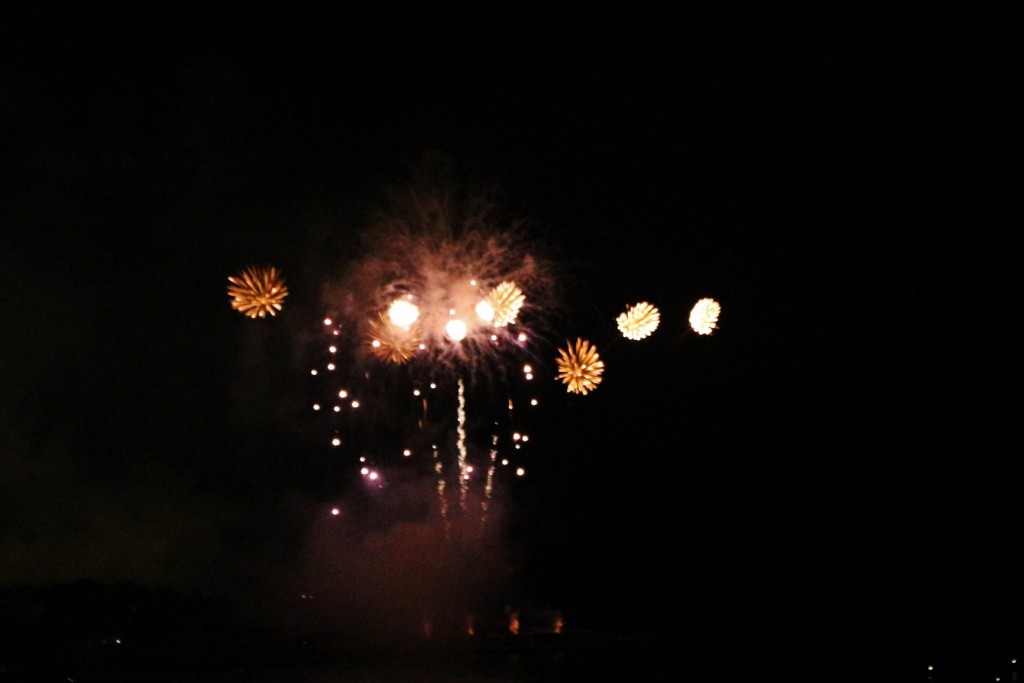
(391, 342)
(704, 316)
(506, 299)
(639, 321)
(579, 367)
(257, 291)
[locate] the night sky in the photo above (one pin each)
(832, 474)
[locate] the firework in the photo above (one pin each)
(704, 316)
(505, 300)
(403, 313)
(391, 342)
(580, 367)
(638, 321)
(450, 296)
(257, 291)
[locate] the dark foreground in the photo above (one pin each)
(535, 658)
(91, 633)
(565, 657)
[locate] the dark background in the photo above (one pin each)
(831, 476)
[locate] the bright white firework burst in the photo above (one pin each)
(638, 321)
(704, 316)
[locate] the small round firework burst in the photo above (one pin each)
(579, 367)
(506, 299)
(639, 321)
(257, 291)
(704, 316)
(391, 342)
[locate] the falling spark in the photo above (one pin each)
(638, 321)
(257, 291)
(580, 367)
(704, 316)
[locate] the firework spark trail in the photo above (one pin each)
(489, 486)
(439, 468)
(461, 431)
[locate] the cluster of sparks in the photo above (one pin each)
(257, 291)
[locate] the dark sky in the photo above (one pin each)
(836, 464)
